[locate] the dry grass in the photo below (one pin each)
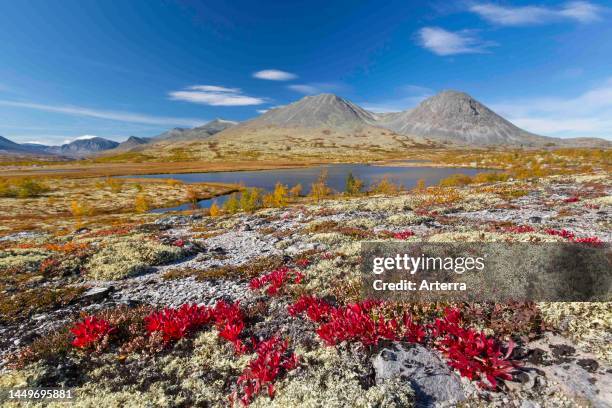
(85, 198)
(26, 303)
(247, 270)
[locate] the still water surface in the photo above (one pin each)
(336, 177)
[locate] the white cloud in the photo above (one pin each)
(580, 11)
(305, 89)
(587, 114)
(262, 111)
(443, 42)
(214, 88)
(215, 96)
(274, 75)
(119, 116)
(319, 87)
(85, 137)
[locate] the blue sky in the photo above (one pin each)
(115, 69)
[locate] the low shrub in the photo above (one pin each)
(90, 332)
(455, 180)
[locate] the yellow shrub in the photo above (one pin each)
(232, 205)
(490, 177)
(319, 189)
(280, 195)
(115, 184)
(79, 209)
(420, 186)
(385, 186)
(192, 195)
(251, 199)
(214, 210)
(296, 190)
(456, 180)
(141, 204)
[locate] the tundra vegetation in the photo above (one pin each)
(258, 301)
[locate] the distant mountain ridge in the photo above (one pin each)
(83, 147)
(9, 146)
(327, 122)
(456, 117)
(319, 111)
(198, 133)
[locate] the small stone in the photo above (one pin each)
(588, 364)
(97, 293)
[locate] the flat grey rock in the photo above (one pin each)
(433, 381)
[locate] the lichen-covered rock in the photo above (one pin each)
(332, 378)
(588, 323)
(432, 380)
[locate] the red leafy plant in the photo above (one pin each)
(403, 234)
(572, 199)
(276, 279)
(302, 262)
(570, 236)
(595, 241)
(271, 361)
(229, 320)
(174, 324)
(472, 353)
(519, 229)
(350, 323)
(90, 332)
(561, 233)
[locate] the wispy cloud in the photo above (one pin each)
(444, 42)
(587, 114)
(579, 11)
(262, 111)
(119, 116)
(305, 89)
(84, 137)
(274, 75)
(215, 96)
(317, 87)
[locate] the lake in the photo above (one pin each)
(336, 178)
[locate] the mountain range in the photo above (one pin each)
(328, 121)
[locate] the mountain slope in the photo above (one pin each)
(8, 146)
(456, 117)
(320, 126)
(325, 110)
(83, 147)
(196, 134)
(131, 143)
(200, 132)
